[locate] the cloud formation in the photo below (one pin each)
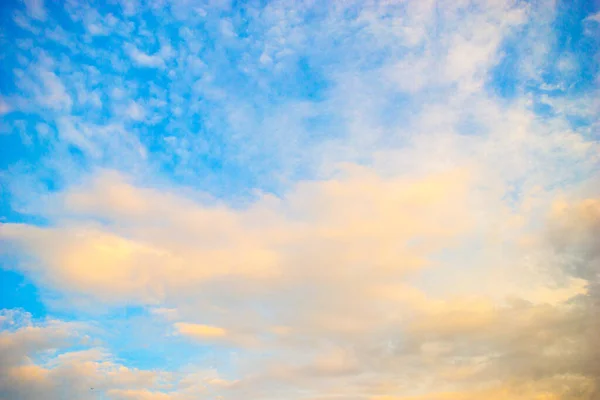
(295, 200)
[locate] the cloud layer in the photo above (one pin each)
(353, 200)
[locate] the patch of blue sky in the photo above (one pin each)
(580, 123)
(303, 80)
(542, 108)
(505, 80)
(567, 67)
(17, 144)
(136, 338)
(575, 46)
(17, 291)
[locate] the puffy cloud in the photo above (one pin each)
(135, 111)
(4, 107)
(143, 59)
(346, 323)
(200, 331)
(168, 244)
(128, 394)
(54, 359)
(45, 359)
(574, 233)
(55, 94)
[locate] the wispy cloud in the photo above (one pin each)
(35, 9)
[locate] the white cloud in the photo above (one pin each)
(25, 23)
(45, 360)
(54, 94)
(4, 107)
(130, 7)
(135, 111)
(263, 255)
(143, 59)
(594, 17)
(157, 246)
(36, 9)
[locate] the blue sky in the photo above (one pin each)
(377, 200)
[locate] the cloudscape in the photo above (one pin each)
(300, 200)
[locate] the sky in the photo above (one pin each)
(300, 200)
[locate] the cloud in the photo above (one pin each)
(20, 377)
(54, 359)
(156, 60)
(135, 111)
(155, 247)
(593, 17)
(373, 218)
(55, 95)
(4, 107)
(200, 331)
(544, 389)
(574, 231)
(142, 394)
(392, 200)
(35, 9)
